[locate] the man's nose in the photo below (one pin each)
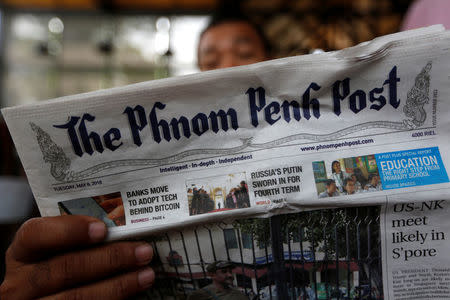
(229, 61)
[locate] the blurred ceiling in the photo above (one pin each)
(173, 5)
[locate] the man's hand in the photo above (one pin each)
(62, 258)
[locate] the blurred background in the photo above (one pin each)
(52, 48)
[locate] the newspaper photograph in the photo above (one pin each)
(319, 257)
(327, 172)
(396, 251)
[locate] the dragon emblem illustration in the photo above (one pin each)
(417, 97)
(53, 154)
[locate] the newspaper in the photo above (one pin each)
(354, 141)
(415, 247)
(274, 137)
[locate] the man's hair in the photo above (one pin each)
(329, 182)
(372, 175)
(217, 265)
(346, 180)
(231, 18)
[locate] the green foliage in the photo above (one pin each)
(258, 228)
(342, 231)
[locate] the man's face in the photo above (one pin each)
(332, 188)
(374, 180)
(350, 187)
(230, 44)
(337, 167)
(224, 277)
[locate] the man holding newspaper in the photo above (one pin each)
(65, 257)
(393, 89)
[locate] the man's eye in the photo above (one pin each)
(246, 54)
(209, 65)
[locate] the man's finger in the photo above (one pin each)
(82, 267)
(40, 236)
(116, 288)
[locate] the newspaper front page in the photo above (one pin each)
(368, 125)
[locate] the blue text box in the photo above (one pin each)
(411, 168)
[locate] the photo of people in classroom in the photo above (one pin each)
(346, 176)
(217, 193)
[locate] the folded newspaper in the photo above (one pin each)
(346, 128)
(368, 125)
